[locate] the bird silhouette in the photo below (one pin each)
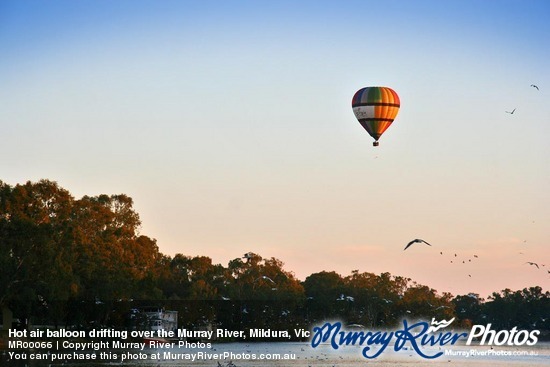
(534, 86)
(532, 263)
(511, 113)
(265, 277)
(416, 240)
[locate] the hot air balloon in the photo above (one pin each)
(375, 108)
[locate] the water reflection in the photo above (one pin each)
(285, 354)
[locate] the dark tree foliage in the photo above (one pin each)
(83, 263)
(57, 251)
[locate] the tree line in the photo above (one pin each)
(83, 263)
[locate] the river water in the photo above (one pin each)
(288, 354)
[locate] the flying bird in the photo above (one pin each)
(265, 277)
(532, 263)
(416, 240)
(511, 113)
(534, 86)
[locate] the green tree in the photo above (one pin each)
(468, 309)
(55, 248)
(35, 247)
(421, 300)
(323, 290)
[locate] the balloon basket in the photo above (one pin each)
(375, 144)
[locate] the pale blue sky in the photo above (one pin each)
(230, 124)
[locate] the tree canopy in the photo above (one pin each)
(81, 261)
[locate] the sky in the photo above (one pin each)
(230, 125)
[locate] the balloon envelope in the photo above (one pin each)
(375, 108)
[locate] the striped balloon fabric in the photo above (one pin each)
(375, 108)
